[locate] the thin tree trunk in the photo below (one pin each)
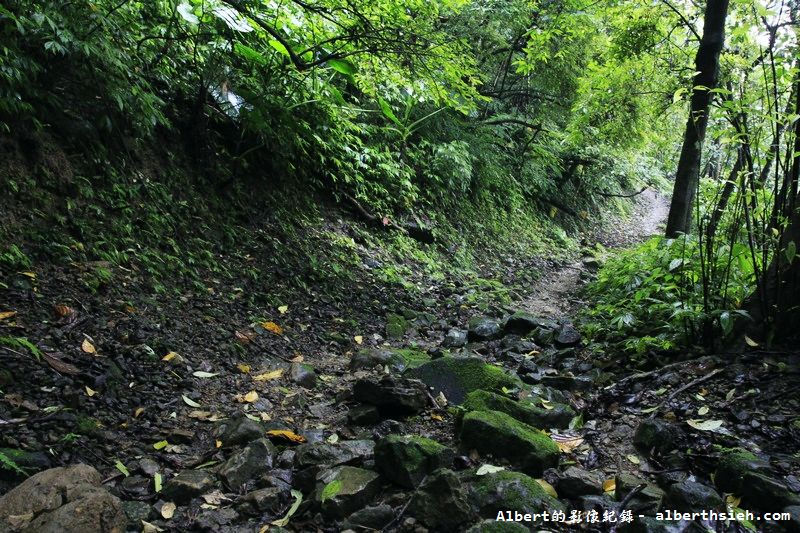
(707, 67)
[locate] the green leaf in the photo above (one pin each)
(121, 468)
(387, 111)
(250, 54)
(342, 66)
(331, 490)
(160, 445)
(791, 251)
(279, 47)
(298, 499)
(157, 481)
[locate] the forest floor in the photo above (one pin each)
(204, 413)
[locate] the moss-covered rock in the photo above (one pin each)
(508, 491)
(440, 502)
(483, 328)
(498, 434)
(766, 493)
(734, 465)
(396, 326)
(397, 359)
(557, 417)
(458, 376)
(345, 489)
(407, 459)
(493, 526)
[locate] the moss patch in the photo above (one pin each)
(558, 417)
(406, 460)
(509, 491)
(734, 465)
(458, 376)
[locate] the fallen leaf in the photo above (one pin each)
(488, 469)
(730, 394)
(283, 522)
(168, 510)
(147, 527)
(285, 434)
(732, 501)
(567, 443)
(264, 417)
(60, 366)
(546, 404)
(632, 458)
(29, 274)
(63, 311)
(250, 397)
(702, 411)
(705, 425)
(266, 376)
(138, 411)
(170, 356)
(188, 401)
(7, 314)
(88, 347)
(333, 439)
(218, 443)
(157, 482)
(215, 497)
(359, 339)
(200, 415)
(201, 374)
(750, 342)
(282, 309)
(272, 327)
(244, 336)
(297, 359)
(609, 485)
(437, 417)
(243, 368)
(160, 445)
(548, 488)
(121, 467)
(90, 392)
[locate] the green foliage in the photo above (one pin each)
(21, 343)
(652, 297)
(6, 463)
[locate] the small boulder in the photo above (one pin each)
(456, 377)
(241, 430)
(187, 485)
(345, 489)
(492, 493)
(455, 338)
(766, 493)
(558, 417)
(303, 374)
(483, 329)
(498, 434)
(734, 465)
(406, 460)
(575, 482)
(688, 496)
(568, 336)
(522, 323)
(271, 500)
(374, 518)
(441, 502)
(397, 359)
(656, 435)
(255, 459)
(396, 326)
(648, 500)
(363, 415)
(392, 395)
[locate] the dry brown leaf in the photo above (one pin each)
(60, 366)
(285, 434)
(63, 310)
(244, 337)
(7, 314)
(272, 327)
(88, 347)
(298, 358)
(610, 485)
(266, 376)
(566, 443)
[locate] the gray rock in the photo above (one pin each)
(186, 485)
(689, 496)
(656, 435)
(135, 511)
(363, 415)
(247, 464)
(794, 522)
(303, 374)
(406, 460)
(646, 501)
(441, 502)
(766, 493)
(568, 336)
(62, 500)
(392, 395)
(455, 338)
(148, 466)
(734, 465)
(483, 328)
(241, 430)
(28, 461)
(574, 482)
(568, 383)
(345, 489)
(522, 323)
(272, 500)
(370, 518)
(498, 434)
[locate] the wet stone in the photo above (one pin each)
(689, 496)
(440, 502)
(303, 374)
(406, 460)
(658, 435)
(483, 328)
(392, 394)
(363, 415)
(345, 489)
(271, 500)
(187, 485)
(455, 338)
(375, 517)
(247, 464)
(241, 430)
(574, 482)
(568, 336)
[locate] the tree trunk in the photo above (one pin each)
(707, 68)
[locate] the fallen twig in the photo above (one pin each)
(684, 388)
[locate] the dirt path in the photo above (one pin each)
(555, 294)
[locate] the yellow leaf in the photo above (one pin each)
(632, 458)
(750, 342)
(359, 339)
(548, 488)
(546, 404)
(285, 434)
(170, 356)
(7, 314)
(90, 392)
(266, 376)
(243, 368)
(218, 443)
(88, 347)
(138, 411)
(732, 501)
(168, 510)
(566, 443)
(160, 445)
(250, 397)
(297, 358)
(282, 309)
(29, 274)
(609, 485)
(553, 212)
(199, 415)
(272, 327)
(437, 417)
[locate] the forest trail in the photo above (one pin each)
(555, 295)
